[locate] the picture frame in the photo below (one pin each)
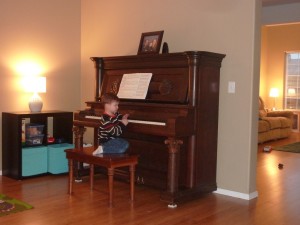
(150, 42)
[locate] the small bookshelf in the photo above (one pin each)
(23, 157)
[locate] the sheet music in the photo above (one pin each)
(134, 85)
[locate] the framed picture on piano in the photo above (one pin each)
(150, 42)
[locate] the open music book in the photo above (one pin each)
(134, 85)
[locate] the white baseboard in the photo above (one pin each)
(237, 194)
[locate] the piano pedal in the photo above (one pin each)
(172, 206)
(78, 180)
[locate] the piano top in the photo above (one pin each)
(173, 75)
(155, 57)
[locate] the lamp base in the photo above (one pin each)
(35, 103)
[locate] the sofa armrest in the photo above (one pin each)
(287, 114)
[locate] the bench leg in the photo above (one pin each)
(78, 134)
(92, 176)
(71, 176)
(132, 178)
(110, 185)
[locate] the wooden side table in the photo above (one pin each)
(109, 161)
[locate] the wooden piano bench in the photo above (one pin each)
(109, 161)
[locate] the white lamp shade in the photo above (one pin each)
(35, 84)
(274, 92)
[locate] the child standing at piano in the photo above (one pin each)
(112, 126)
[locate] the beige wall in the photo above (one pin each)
(46, 33)
(278, 14)
(276, 41)
(114, 28)
(51, 37)
(263, 89)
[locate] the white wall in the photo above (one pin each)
(46, 33)
(231, 27)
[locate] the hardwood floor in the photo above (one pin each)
(278, 202)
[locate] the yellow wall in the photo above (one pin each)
(231, 27)
(276, 40)
(46, 33)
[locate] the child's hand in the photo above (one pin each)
(125, 119)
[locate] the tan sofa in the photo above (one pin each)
(273, 125)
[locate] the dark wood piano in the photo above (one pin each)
(174, 130)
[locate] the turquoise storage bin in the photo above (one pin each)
(57, 161)
(34, 161)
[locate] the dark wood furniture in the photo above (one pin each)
(12, 133)
(179, 154)
(109, 161)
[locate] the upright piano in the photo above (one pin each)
(175, 129)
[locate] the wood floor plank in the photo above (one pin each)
(278, 201)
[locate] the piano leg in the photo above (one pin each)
(173, 170)
(78, 133)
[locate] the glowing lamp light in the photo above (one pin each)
(274, 93)
(35, 85)
(28, 68)
(291, 92)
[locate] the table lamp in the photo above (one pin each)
(36, 85)
(274, 93)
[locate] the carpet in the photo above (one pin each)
(10, 205)
(294, 147)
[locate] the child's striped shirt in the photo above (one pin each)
(111, 127)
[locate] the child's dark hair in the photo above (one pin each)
(107, 98)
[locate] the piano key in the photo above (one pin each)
(133, 121)
(147, 122)
(93, 117)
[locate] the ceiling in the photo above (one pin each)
(277, 2)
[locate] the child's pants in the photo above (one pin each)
(117, 145)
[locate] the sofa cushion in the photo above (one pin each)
(269, 135)
(262, 113)
(263, 126)
(285, 132)
(285, 122)
(274, 122)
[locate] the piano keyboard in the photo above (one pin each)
(133, 121)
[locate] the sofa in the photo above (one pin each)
(273, 125)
